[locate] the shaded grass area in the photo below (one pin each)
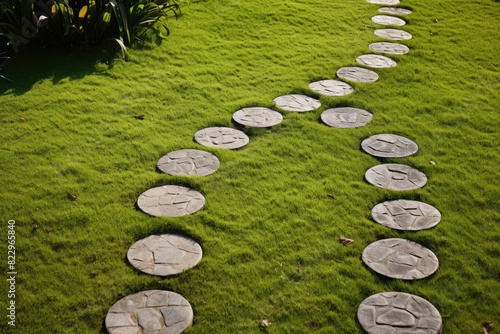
(269, 229)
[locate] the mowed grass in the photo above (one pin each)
(276, 208)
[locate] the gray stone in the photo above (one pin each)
(388, 20)
(406, 215)
(400, 313)
(384, 2)
(394, 10)
(389, 48)
(221, 137)
(359, 74)
(389, 146)
(346, 117)
(170, 201)
(375, 61)
(257, 117)
(393, 34)
(395, 177)
(158, 316)
(400, 258)
(297, 103)
(331, 87)
(164, 255)
(188, 162)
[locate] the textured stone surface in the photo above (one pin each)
(331, 87)
(297, 103)
(389, 146)
(398, 313)
(394, 10)
(389, 48)
(359, 74)
(393, 34)
(346, 117)
(400, 258)
(164, 255)
(395, 177)
(150, 311)
(375, 61)
(221, 137)
(170, 201)
(388, 20)
(257, 117)
(406, 215)
(384, 2)
(188, 162)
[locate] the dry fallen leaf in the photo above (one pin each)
(139, 117)
(487, 326)
(72, 196)
(345, 241)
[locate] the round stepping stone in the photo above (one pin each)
(257, 117)
(400, 258)
(406, 215)
(150, 311)
(297, 103)
(188, 162)
(394, 10)
(221, 137)
(358, 74)
(388, 20)
(395, 177)
(375, 61)
(164, 255)
(393, 34)
(398, 313)
(389, 48)
(383, 2)
(389, 146)
(346, 117)
(170, 201)
(331, 87)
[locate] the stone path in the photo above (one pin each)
(400, 258)
(384, 2)
(398, 313)
(170, 201)
(389, 48)
(358, 74)
(395, 177)
(257, 117)
(393, 34)
(406, 215)
(151, 311)
(389, 146)
(375, 61)
(331, 87)
(346, 117)
(188, 162)
(164, 255)
(394, 10)
(221, 137)
(297, 103)
(388, 20)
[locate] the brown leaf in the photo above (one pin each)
(72, 196)
(487, 326)
(141, 117)
(22, 119)
(345, 241)
(48, 230)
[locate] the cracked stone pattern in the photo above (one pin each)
(358, 74)
(384, 2)
(389, 146)
(406, 215)
(395, 177)
(297, 103)
(331, 87)
(389, 48)
(400, 258)
(221, 137)
(388, 20)
(393, 34)
(150, 311)
(394, 10)
(170, 201)
(164, 255)
(257, 117)
(398, 313)
(375, 61)
(188, 162)
(346, 117)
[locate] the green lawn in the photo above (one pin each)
(269, 229)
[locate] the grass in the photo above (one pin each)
(269, 230)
